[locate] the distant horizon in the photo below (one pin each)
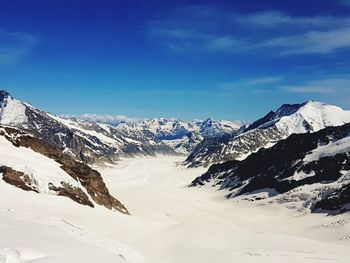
(116, 119)
(229, 60)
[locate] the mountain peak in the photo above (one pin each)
(287, 109)
(4, 94)
(313, 103)
(208, 121)
(12, 111)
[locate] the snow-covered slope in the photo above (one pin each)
(183, 136)
(31, 164)
(12, 111)
(41, 171)
(311, 169)
(169, 223)
(88, 142)
(310, 116)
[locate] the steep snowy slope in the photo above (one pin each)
(89, 142)
(184, 136)
(310, 116)
(33, 165)
(312, 169)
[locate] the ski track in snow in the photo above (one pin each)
(169, 223)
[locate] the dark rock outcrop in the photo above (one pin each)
(17, 179)
(275, 168)
(74, 193)
(89, 178)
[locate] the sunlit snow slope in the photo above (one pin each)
(169, 223)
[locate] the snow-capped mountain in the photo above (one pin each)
(32, 164)
(183, 136)
(310, 116)
(312, 170)
(88, 142)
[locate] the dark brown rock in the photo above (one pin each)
(17, 179)
(90, 179)
(74, 193)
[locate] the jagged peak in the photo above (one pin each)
(4, 94)
(287, 109)
(208, 121)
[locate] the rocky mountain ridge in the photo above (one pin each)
(183, 136)
(307, 117)
(85, 141)
(312, 169)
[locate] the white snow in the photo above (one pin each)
(174, 132)
(74, 125)
(13, 113)
(331, 149)
(169, 223)
(40, 169)
(317, 114)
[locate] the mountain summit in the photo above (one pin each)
(310, 116)
(86, 141)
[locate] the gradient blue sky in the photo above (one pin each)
(184, 59)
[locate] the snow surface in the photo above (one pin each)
(317, 114)
(41, 170)
(74, 126)
(169, 223)
(182, 136)
(331, 149)
(13, 113)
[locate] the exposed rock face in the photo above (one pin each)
(23, 181)
(275, 126)
(337, 200)
(74, 193)
(320, 161)
(90, 179)
(17, 179)
(234, 147)
(87, 142)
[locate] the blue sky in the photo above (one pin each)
(185, 59)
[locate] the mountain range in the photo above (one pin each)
(289, 119)
(86, 141)
(296, 154)
(312, 169)
(183, 136)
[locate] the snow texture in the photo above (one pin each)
(169, 223)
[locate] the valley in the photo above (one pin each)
(169, 222)
(175, 131)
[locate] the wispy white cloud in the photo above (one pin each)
(222, 43)
(250, 83)
(311, 42)
(345, 2)
(307, 89)
(278, 19)
(323, 86)
(15, 45)
(211, 29)
(265, 80)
